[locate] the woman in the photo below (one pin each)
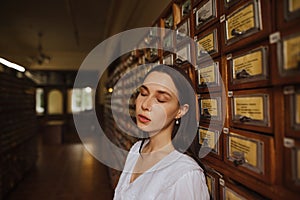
(156, 167)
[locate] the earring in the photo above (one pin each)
(176, 121)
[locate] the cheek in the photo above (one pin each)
(163, 114)
(159, 113)
(137, 102)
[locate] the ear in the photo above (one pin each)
(182, 111)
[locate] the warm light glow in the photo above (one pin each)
(12, 65)
(110, 90)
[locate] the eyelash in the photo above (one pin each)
(161, 101)
(145, 94)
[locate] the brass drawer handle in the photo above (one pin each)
(242, 74)
(245, 119)
(236, 32)
(239, 158)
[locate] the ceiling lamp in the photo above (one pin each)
(41, 57)
(12, 65)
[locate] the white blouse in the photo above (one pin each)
(176, 176)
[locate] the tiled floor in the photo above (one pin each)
(64, 172)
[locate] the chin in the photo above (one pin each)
(145, 128)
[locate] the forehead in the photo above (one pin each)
(160, 79)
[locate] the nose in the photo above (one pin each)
(147, 103)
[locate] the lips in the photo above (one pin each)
(143, 119)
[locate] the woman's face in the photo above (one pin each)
(157, 103)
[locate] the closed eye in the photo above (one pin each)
(143, 90)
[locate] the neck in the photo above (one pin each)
(160, 142)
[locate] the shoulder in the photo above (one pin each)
(187, 162)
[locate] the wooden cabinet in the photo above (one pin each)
(244, 62)
(18, 136)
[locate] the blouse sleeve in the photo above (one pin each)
(190, 186)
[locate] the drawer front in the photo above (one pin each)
(205, 13)
(288, 59)
(288, 13)
(183, 31)
(210, 138)
(291, 163)
(210, 106)
(251, 109)
(209, 76)
(249, 68)
(246, 23)
(250, 153)
(230, 190)
(207, 44)
(292, 110)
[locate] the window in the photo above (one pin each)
(55, 102)
(39, 98)
(80, 99)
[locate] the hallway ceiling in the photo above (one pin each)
(67, 30)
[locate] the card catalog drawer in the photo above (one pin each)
(288, 13)
(212, 184)
(292, 110)
(246, 24)
(249, 68)
(229, 190)
(168, 18)
(205, 14)
(207, 44)
(185, 8)
(168, 41)
(152, 54)
(183, 53)
(288, 59)
(250, 153)
(152, 36)
(209, 76)
(183, 31)
(228, 3)
(291, 164)
(212, 179)
(251, 109)
(168, 59)
(210, 138)
(210, 106)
